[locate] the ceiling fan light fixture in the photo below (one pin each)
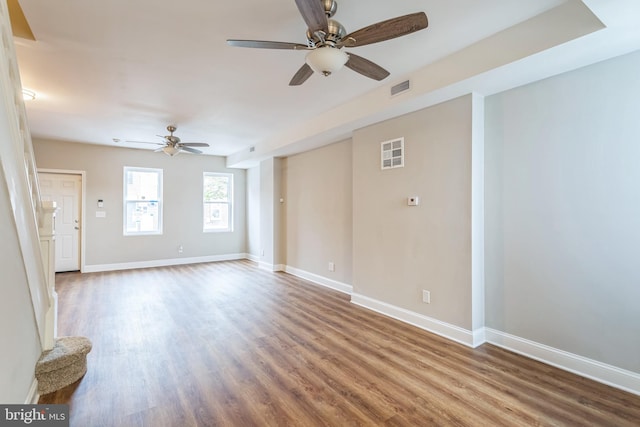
(171, 150)
(326, 59)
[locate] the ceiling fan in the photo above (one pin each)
(326, 37)
(172, 145)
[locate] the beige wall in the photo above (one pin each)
(182, 222)
(399, 250)
(317, 211)
(563, 212)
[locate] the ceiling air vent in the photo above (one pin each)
(400, 87)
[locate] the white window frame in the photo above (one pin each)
(125, 201)
(228, 203)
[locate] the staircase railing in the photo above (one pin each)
(20, 174)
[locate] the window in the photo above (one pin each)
(217, 197)
(142, 201)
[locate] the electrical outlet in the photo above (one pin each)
(180, 249)
(332, 267)
(426, 297)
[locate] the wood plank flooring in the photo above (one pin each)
(227, 344)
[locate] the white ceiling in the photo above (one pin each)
(126, 69)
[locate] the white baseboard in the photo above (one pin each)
(252, 257)
(447, 330)
(319, 280)
(33, 396)
(162, 263)
(579, 365)
(270, 267)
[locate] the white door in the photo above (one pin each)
(66, 191)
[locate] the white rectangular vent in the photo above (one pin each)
(400, 87)
(392, 154)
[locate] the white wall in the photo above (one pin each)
(18, 330)
(318, 202)
(563, 212)
(182, 187)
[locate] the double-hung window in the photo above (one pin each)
(217, 201)
(142, 201)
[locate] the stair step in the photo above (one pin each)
(65, 364)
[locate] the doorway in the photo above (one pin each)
(66, 190)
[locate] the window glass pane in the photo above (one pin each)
(142, 217)
(142, 185)
(142, 201)
(216, 216)
(216, 188)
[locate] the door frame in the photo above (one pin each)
(83, 184)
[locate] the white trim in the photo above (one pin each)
(270, 267)
(33, 396)
(252, 257)
(455, 333)
(265, 266)
(477, 212)
(125, 201)
(162, 262)
(83, 222)
(579, 365)
(229, 202)
(320, 280)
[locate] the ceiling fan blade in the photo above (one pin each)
(387, 30)
(301, 76)
(313, 13)
(366, 67)
(263, 44)
(189, 150)
(194, 144)
(146, 142)
(19, 23)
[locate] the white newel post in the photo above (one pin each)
(48, 250)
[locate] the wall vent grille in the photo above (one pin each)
(392, 154)
(400, 87)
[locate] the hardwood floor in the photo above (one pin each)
(228, 344)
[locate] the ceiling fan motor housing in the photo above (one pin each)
(173, 140)
(335, 34)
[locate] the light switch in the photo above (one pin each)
(100, 203)
(101, 214)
